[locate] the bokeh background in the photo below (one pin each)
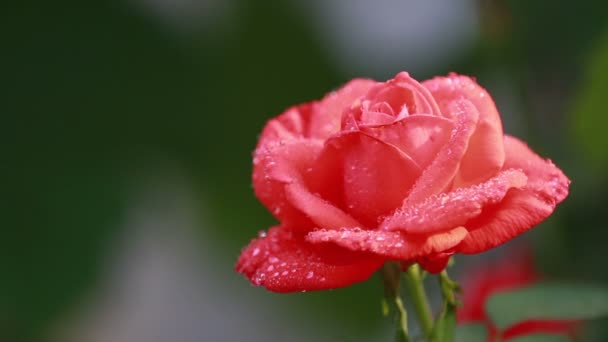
(127, 129)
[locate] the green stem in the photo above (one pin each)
(419, 299)
(391, 274)
(447, 288)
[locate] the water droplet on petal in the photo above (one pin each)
(310, 274)
(256, 251)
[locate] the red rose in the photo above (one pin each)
(399, 170)
(511, 272)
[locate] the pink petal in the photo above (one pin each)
(390, 245)
(278, 179)
(283, 262)
(317, 119)
(290, 125)
(521, 209)
(440, 173)
(276, 164)
(453, 209)
(419, 136)
(425, 102)
(485, 154)
(321, 212)
(369, 177)
(326, 120)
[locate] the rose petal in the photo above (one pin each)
(485, 153)
(424, 99)
(290, 125)
(321, 212)
(279, 184)
(391, 245)
(522, 208)
(436, 263)
(326, 120)
(317, 119)
(276, 164)
(453, 209)
(440, 173)
(419, 136)
(284, 262)
(368, 177)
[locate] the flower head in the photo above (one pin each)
(396, 170)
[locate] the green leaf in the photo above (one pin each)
(548, 301)
(470, 333)
(540, 338)
(588, 110)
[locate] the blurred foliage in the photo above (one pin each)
(549, 301)
(95, 93)
(588, 116)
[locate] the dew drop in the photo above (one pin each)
(285, 273)
(310, 274)
(261, 234)
(256, 251)
(276, 274)
(273, 259)
(270, 268)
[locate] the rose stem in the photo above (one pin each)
(447, 288)
(419, 299)
(391, 273)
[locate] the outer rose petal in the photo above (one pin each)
(317, 119)
(276, 164)
(278, 183)
(522, 208)
(455, 208)
(485, 155)
(321, 212)
(284, 262)
(390, 245)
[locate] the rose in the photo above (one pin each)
(512, 271)
(401, 170)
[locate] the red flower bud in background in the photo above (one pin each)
(511, 272)
(400, 170)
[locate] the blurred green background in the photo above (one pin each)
(128, 127)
